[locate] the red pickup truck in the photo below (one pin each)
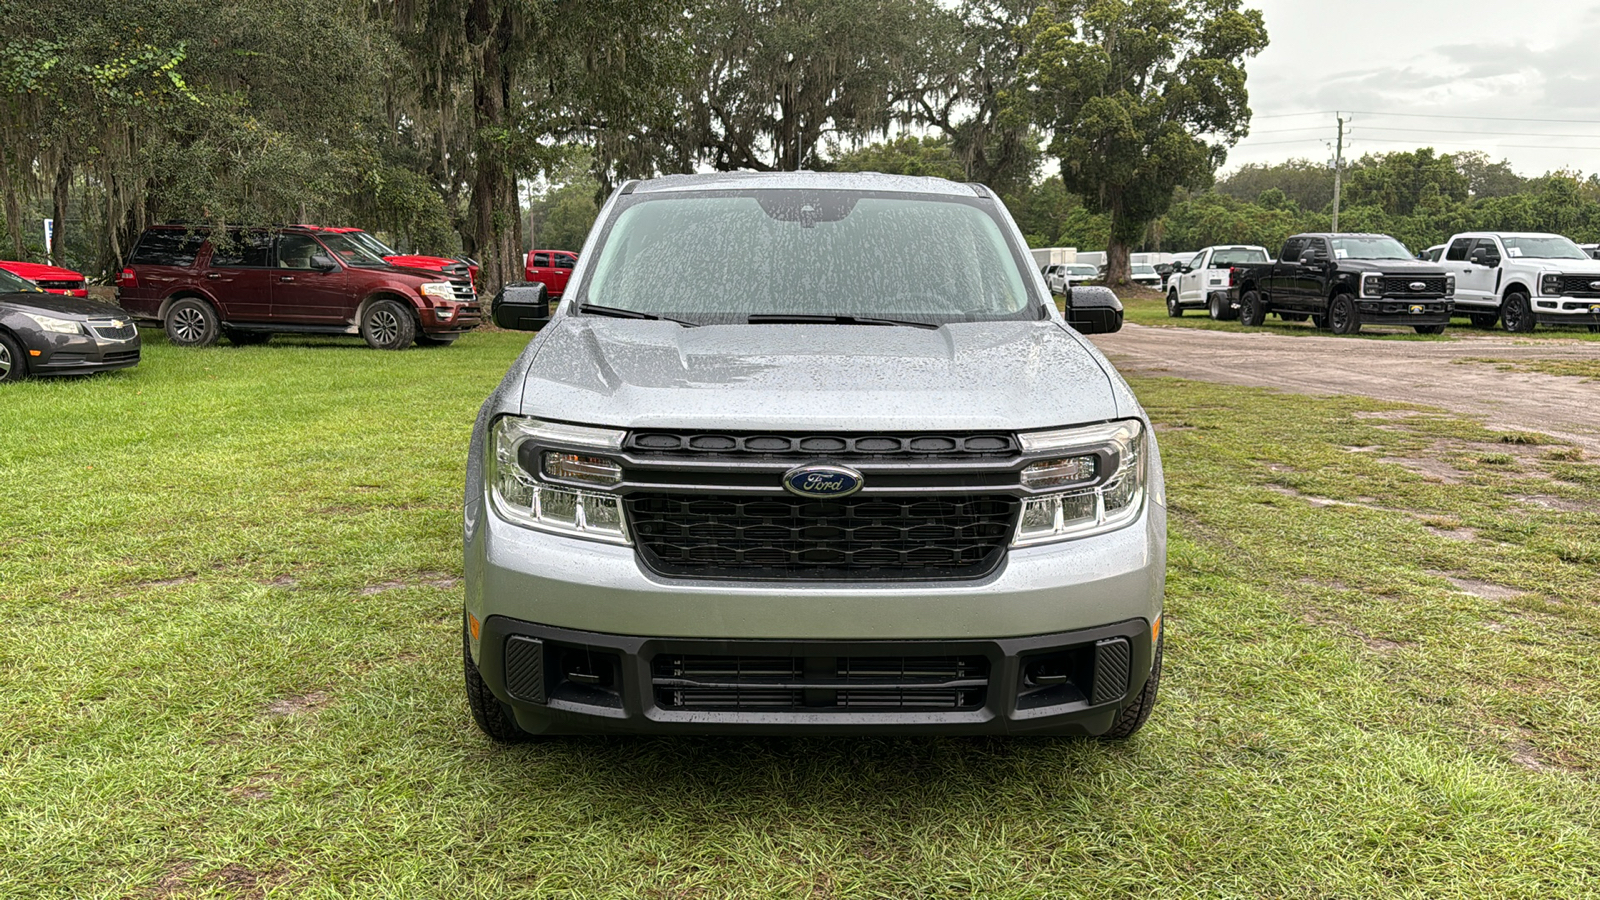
(552, 268)
(54, 279)
(403, 260)
(249, 284)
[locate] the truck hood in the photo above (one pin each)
(972, 376)
(1399, 267)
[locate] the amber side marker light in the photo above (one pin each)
(35, 352)
(1155, 631)
(472, 625)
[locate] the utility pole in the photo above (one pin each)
(1338, 171)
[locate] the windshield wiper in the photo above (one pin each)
(617, 312)
(807, 319)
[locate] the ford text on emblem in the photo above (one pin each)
(822, 481)
(1419, 285)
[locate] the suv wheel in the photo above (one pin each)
(246, 338)
(1344, 317)
(1135, 714)
(491, 715)
(388, 326)
(1173, 309)
(1516, 314)
(13, 362)
(192, 323)
(1252, 312)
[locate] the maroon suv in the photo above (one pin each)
(249, 284)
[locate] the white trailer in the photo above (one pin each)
(1054, 256)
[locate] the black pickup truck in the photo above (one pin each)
(1345, 281)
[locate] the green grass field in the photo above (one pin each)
(229, 651)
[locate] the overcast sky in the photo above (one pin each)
(1506, 59)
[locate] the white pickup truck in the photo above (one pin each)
(1202, 282)
(1522, 280)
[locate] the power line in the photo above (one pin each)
(1473, 133)
(1476, 118)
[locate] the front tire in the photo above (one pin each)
(1344, 317)
(13, 362)
(1174, 311)
(192, 323)
(1516, 313)
(1252, 311)
(386, 325)
(1484, 320)
(1429, 329)
(492, 716)
(1135, 714)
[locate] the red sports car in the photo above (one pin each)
(54, 279)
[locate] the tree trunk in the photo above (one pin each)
(60, 197)
(1119, 242)
(491, 182)
(13, 216)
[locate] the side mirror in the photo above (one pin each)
(322, 262)
(522, 306)
(1093, 310)
(1311, 258)
(1480, 258)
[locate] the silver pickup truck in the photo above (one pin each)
(804, 453)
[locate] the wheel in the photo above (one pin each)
(1293, 317)
(388, 326)
(1173, 309)
(1516, 313)
(246, 338)
(1219, 307)
(1135, 714)
(192, 323)
(1429, 329)
(1484, 320)
(13, 362)
(1344, 317)
(436, 340)
(1320, 322)
(492, 716)
(1252, 312)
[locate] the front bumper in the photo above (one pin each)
(1567, 310)
(73, 354)
(1405, 311)
(561, 681)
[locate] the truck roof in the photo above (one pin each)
(840, 181)
(1340, 234)
(1505, 234)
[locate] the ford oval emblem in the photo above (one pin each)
(1595, 285)
(1419, 285)
(822, 481)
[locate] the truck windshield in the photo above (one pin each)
(1369, 247)
(1237, 256)
(721, 257)
(352, 253)
(15, 284)
(1543, 247)
(1091, 271)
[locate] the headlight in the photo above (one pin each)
(1449, 285)
(56, 326)
(1551, 286)
(1112, 457)
(522, 497)
(1372, 285)
(442, 290)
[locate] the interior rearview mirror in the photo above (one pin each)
(1093, 310)
(522, 306)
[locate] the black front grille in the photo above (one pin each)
(109, 330)
(1391, 308)
(1580, 284)
(60, 285)
(852, 447)
(120, 356)
(1394, 286)
(860, 538)
(851, 683)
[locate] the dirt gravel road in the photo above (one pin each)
(1433, 373)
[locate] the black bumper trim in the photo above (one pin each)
(614, 693)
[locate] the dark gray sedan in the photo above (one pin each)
(49, 334)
